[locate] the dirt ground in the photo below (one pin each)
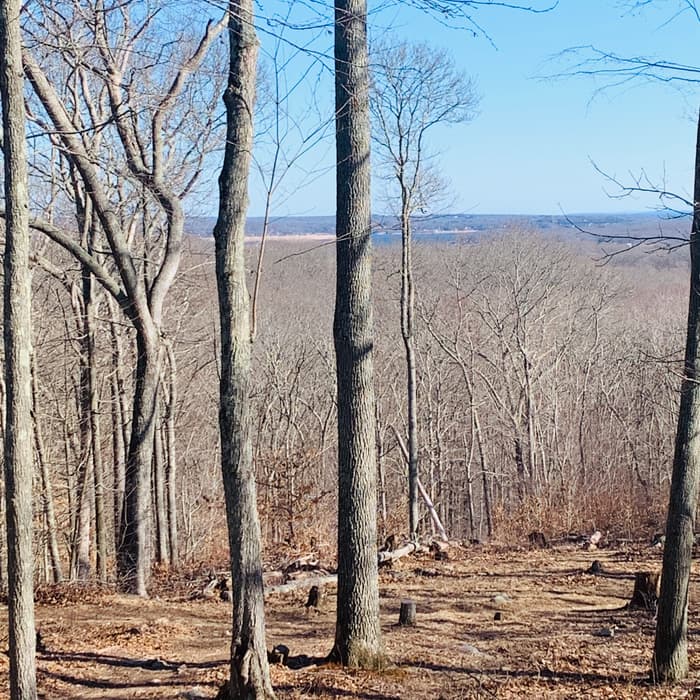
(552, 641)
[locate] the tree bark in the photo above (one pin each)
(357, 636)
(19, 458)
(133, 557)
(46, 486)
(171, 461)
(94, 416)
(119, 429)
(670, 661)
(250, 673)
(407, 315)
(160, 510)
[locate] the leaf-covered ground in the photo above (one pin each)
(563, 633)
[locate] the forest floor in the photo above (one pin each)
(548, 643)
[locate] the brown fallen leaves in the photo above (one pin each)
(545, 644)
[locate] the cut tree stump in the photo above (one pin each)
(439, 550)
(279, 655)
(537, 540)
(596, 568)
(314, 599)
(407, 614)
(646, 591)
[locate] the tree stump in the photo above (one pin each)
(537, 540)
(314, 599)
(279, 655)
(407, 614)
(596, 568)
(646, 590)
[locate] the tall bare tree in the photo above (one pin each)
(19, 456)
(250, 674)
(415, 87)
(357, 635)
(670, 662)
(160, 168)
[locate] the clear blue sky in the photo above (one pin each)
(529, 149)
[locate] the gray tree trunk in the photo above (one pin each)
(670, 662)
(171, 460)
(133, 556)
(80, 556)
(407, 316)
(250, 673)
(46, 486)
(357, 635)
(19, 457)
(3, 530)
(94, 415)
(161, 519)
(119, 429)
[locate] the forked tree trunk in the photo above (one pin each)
(670, 662)
(357, 635)
(141, 303)
(250, 673)
(19, 458)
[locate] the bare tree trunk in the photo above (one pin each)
(46, 487)
(670, 662)
(357, 634)
(95, 434)
(133, 557)
(161, 517)
(80, 555)
(3, 528)
(250, 673)
(98, 475)
(118, 425)
(380, 467)
(19, 458)
(486, 494)
(171, 460)
(407, 316)
(81, 565)
(468, 477)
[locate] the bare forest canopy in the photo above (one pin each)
(569, 369)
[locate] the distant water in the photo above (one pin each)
(381, 238)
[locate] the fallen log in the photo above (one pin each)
(306, 562)
(421, 489)
(273, 578)
(305, 575)
(409, 548)
(302, 583)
